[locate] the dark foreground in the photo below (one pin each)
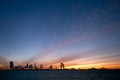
(60, 75)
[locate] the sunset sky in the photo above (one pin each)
(79, 33)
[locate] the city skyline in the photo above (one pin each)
(29, 66)
(80, 33)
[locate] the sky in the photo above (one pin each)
(79, 33)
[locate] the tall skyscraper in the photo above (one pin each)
(61, 66)
(35, 66)
(11, 65)
(27, 66)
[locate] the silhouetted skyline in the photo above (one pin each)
(80, 33)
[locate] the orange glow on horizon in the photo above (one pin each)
(76, 65)
(93, 66)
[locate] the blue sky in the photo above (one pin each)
(52, 31)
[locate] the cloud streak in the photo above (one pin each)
(3, 62)
(56, 47)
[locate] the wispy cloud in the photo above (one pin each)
(3, 62)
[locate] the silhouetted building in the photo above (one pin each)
(50, 67)
(11, 65)
(61, 66)
(30, 66)
(35, 66)
(27, 65)
(41, 66)
(18, 67)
